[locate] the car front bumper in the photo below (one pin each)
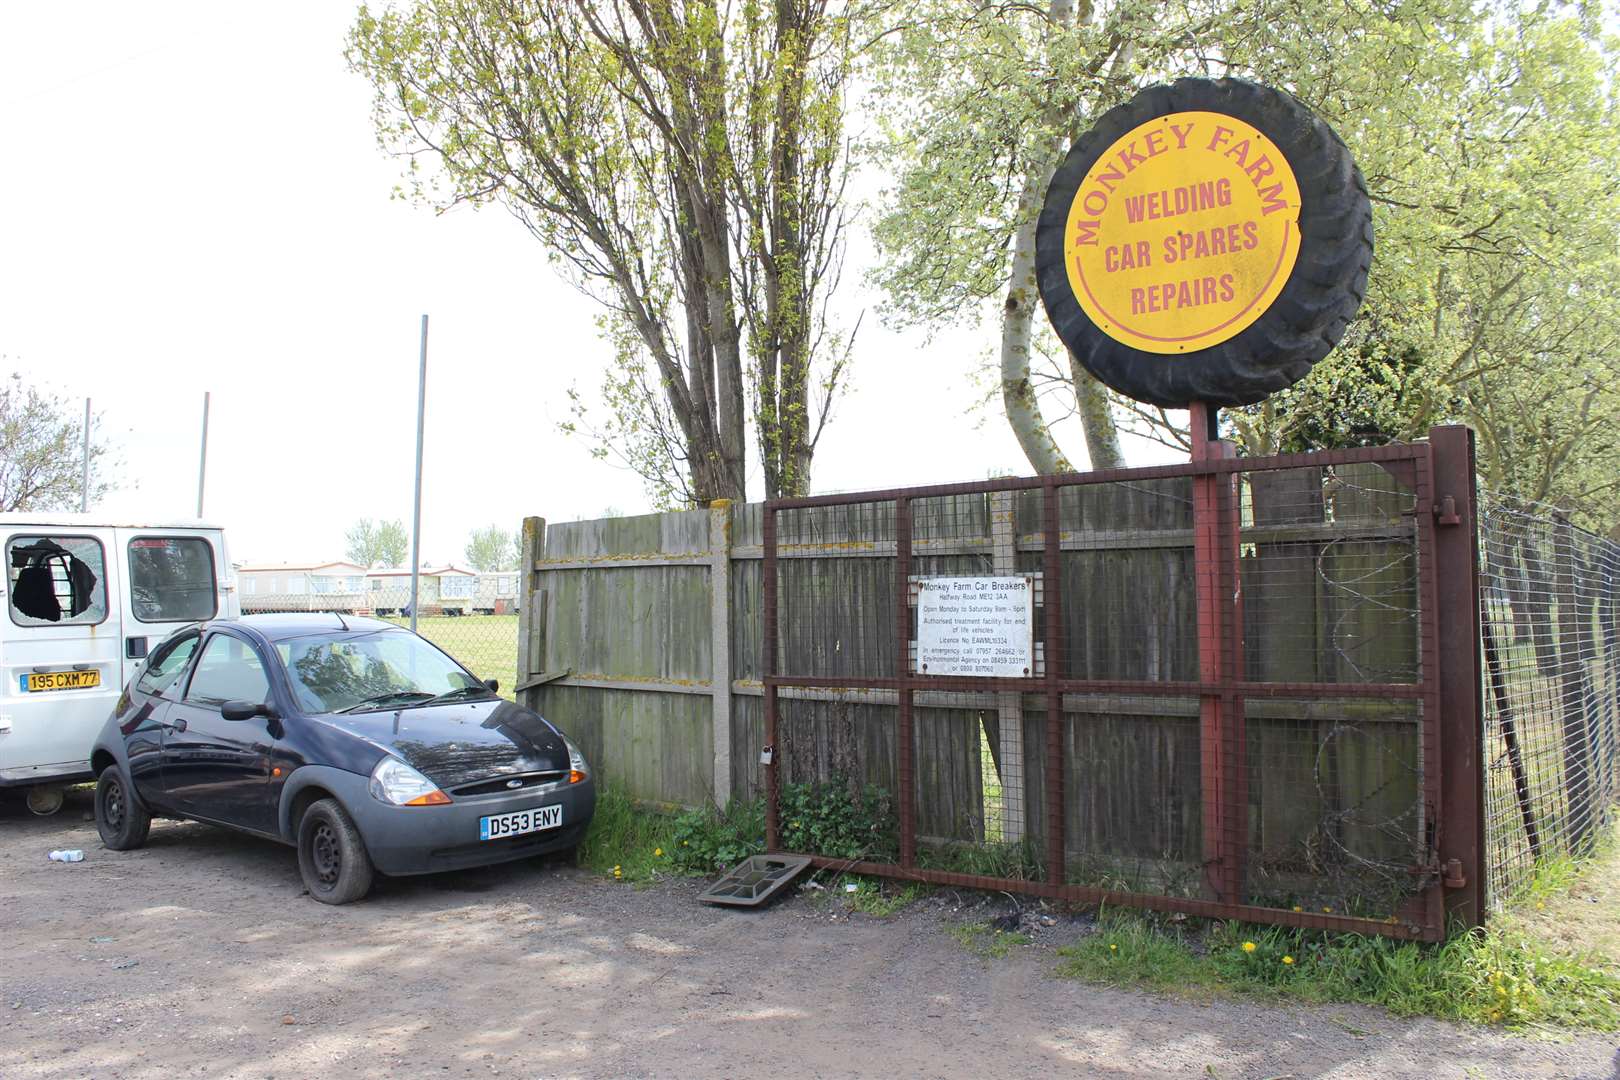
(427, 839)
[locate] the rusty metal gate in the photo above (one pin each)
(1255, 693)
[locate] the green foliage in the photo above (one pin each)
(1494, 976)
(832, 818)
(706, 841)
(377, 543)
(42, 451)
(625, 841)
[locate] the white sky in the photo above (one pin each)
(192, 199)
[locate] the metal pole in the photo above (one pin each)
(84, 480)
(202, 463)
(416, 513)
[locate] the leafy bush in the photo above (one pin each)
(824, 818)
(707, 842)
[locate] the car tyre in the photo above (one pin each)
(332, 859)
(122, 821)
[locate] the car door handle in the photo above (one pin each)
(178, 725)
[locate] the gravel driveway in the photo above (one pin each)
(198, 956)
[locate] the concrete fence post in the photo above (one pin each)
(531, 652)
(720, 630)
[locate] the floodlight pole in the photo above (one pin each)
(84, 480)
(416, 513)
(202, 460)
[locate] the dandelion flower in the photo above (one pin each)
(1289, 960)
(658, 853)
(1249, 946)
(1113, 948)
(1298, 908)
(1328, 910)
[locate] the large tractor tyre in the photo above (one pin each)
(1306, 320)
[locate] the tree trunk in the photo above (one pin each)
(1017, 320)
(1102, 435)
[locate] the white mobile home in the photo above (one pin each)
(332, 586)
(85, 600)
(442, 590)
(496, 593)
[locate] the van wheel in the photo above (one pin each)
(331, 857)
(122, 822)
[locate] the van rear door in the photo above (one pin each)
(60, 650)
(172, 577)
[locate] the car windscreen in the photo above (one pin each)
(365, 669)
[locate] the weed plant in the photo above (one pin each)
(626, 841)
(1494, 976)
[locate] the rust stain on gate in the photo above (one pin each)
(1337, 728)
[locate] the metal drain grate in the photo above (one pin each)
(755, 880)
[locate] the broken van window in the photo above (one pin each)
(56, 580)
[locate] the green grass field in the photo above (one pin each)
(487, 644)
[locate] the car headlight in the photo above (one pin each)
(397, 784)
(578, 770)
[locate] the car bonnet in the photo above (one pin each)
(463, 742)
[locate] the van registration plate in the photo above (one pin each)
(33, 682)
(500, 826)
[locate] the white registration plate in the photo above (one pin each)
(499, 826)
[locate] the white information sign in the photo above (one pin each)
(976, 626)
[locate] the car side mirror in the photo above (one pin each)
(493, 684)
(245, 710)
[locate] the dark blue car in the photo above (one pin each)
(356, 741)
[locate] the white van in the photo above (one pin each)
(84, 602)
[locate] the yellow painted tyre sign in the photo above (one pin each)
(1207, 241)
(1184, 232)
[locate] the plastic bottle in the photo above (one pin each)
(67, 856)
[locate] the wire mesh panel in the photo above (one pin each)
(1552, 673)
(1217, 697)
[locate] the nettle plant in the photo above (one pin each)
(832, 817)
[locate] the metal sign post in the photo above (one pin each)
(84, 480)
(416, 512)
(202, 461)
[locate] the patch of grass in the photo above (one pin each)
(986, 942)
(875, 896)
(1572, 904)
(627, 842)
(1495, 976)
(1020, 860)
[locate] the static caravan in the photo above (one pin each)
(85, 600)
(442, 590)
(496, 593)
(333, 586)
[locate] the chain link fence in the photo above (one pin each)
(1552, 675)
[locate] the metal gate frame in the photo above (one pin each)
(1439, 471)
